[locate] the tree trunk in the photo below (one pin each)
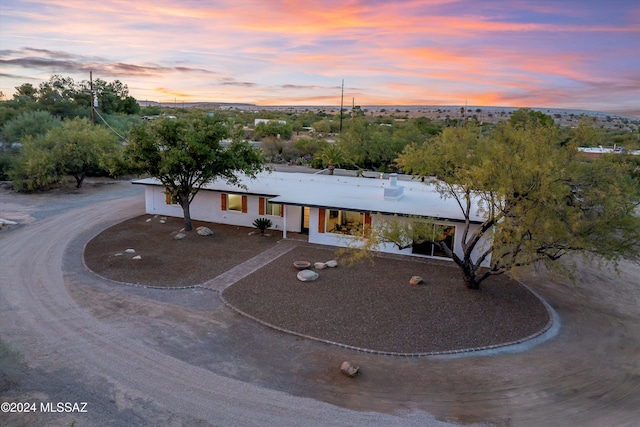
(331, 168)
(468, 271)
(79, 179)
(469, 276)
(187, 216)
(470, 281)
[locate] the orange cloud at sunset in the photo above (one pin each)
(569, 54)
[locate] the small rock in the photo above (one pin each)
(137, 257)
(332, 263)
(163, 218)
(301, 265)
(148, 220)
(162, 221)
(118, 254)
(179, 236)
(320, 265)
(204, 231)
(252, 233)
(307, 275)
(348, 369)
(416, 280)
(130, 251)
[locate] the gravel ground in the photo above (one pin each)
(166, 262)
(372, 305)
(369, 306)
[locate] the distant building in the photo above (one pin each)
(599, 151)
(256, 122)
(157, 117)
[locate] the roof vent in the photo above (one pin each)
(393, 191)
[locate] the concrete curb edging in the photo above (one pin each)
(547, 332)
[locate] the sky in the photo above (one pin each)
(573, 54)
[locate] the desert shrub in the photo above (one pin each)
(262, 224)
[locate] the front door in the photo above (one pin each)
(304, 227)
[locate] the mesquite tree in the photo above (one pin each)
(185, 154)
(538, 197)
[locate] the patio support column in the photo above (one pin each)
(284, 221)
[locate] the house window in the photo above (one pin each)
(345, 222)
(169, 198)
(440, 233)
(234, 202)
(274, 209)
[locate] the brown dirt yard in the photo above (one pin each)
(369, 306)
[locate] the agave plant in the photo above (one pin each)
(262, 224)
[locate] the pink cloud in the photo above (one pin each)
(288, 51)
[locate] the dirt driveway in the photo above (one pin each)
(156, 357)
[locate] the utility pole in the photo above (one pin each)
(341, 104)
(353, 109)
(93, 100)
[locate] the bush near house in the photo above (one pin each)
(262, 224)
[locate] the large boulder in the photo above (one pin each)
(307, 275)
(349, 369)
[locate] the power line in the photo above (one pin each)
(108, 125)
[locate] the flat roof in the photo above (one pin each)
(344, 193)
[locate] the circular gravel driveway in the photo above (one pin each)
(155, 357)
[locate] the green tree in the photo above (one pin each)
(26, 92)
(376, 146)
(526, 118)
(65, 98)
(537, 199)
(33, 123)
(427, 126)
(185, 154)
(322, 126)
(586, 134)
(75, 148)
(274, 129)
(81, 148)
(112, 97)
(35, 168)
(58, 95)
(356, 141)
(309, 146)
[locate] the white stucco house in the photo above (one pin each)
(333, 210)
